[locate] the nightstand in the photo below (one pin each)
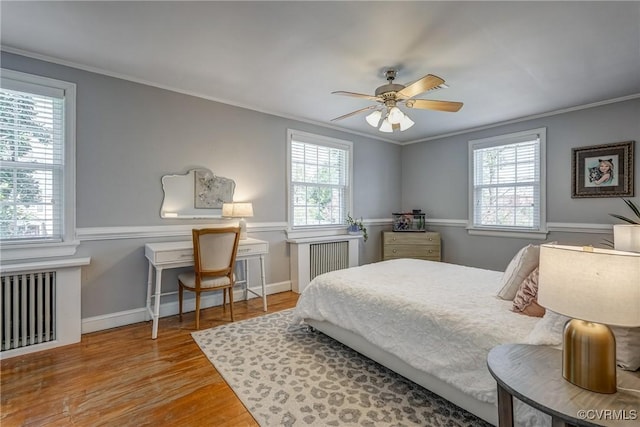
(421, 245)
(533, 374)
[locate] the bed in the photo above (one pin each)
(431, 322)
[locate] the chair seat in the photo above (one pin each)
(189, 280)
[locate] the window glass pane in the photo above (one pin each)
(31, 149)
(319, 183)
(506, 182)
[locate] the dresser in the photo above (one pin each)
(411, 245)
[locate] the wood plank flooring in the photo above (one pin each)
(121, 377)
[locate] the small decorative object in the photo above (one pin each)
(602, 170)
(356, 226)
(410, 221)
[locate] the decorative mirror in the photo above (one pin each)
(197, 194)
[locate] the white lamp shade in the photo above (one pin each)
(626, 237)
(406, 123)
(386, 126)
(395, 115)
(237, 210)
(374, 118)
(596, 285)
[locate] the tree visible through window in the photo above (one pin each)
(32, 160)
(319, 190)
(507, 183)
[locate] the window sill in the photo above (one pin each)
(14, 252)
(520, 234)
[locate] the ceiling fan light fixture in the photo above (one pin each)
(386, 126)
(406, 123)
(395, 115)
(374, 118)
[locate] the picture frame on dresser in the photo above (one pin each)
(604, 170)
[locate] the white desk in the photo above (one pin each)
(165, 255)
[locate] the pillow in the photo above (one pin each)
(526, 299)
(518, 269)
(627, 347)
(549, 329)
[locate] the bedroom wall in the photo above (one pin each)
(435, 178)
(129, 135)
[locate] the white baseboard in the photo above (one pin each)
(128, 317)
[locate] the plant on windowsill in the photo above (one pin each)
(356, 226)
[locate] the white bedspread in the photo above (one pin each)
(440, 318)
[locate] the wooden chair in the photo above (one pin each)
(214, 256)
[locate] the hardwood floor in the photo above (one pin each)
(121, 377)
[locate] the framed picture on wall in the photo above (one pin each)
(602, 170)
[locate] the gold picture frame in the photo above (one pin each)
(602, 170)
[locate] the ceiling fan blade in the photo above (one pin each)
(424, 84)
(356, 95)
(353, 113)
(427, 104)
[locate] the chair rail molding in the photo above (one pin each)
(85, 234)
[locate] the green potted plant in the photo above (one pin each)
(356, 226)
(634, 208)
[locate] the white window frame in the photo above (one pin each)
(29, 250)
(521, 232)
(317, 230)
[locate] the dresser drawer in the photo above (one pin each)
(177, 255)
(411, 238)
(412, 251)
(253, 249)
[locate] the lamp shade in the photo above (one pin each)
(237, 210)
(395, 115)
(386, 126)
(595, 285)
(374, 118)
(406, 123)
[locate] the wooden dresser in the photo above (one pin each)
(410, 245)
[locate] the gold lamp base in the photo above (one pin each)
(589, 356)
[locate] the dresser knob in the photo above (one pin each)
(394, 251)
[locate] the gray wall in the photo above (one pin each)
(129, 135)
(435, 178)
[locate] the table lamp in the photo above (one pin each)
(596, 288)
(241, 211)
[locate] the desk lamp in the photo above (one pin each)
(596, 288)
(241, 211)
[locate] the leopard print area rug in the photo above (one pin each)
(290, 375)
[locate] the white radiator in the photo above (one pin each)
(311, 257)
(28, 309)
(40, 305)
(328, 256)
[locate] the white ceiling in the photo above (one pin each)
(504, 60)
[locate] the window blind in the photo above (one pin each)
(32, 162)
(319, 183)
(507, 184)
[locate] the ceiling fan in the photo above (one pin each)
(389, 96)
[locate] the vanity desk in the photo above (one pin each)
(166, 255)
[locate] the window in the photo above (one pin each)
(319, 180)
(507, 186)
(37, 158)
